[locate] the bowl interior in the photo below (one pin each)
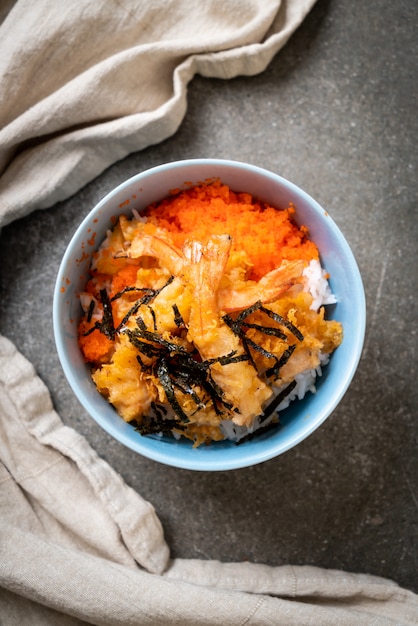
(302, 417)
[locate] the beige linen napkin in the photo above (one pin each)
(77, 544)
(83, 84)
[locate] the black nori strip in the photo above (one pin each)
(145, 368)
(274, 371)
(155, 424)
(262, 429)
(239, 326)
(187, 389)
(267, 354)
(249, 310)
(106, 326)
(140, 323)
(248, 352)
(164, 376)
(260, 349)
(227, 359)
(216, 392)
(91, 310)
(143, 346)
(199, 372)
(233, 325)
(268, 330)
(176, 359)
(150, 295)
(145, 290)
(160, 408)
(143, 333)
(154, 319)
(281, 320)
(270, 408)
(178, 319)
(258, 306)
(248, 342)
(134, 309)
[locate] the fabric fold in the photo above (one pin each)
(77, 543)
(54, 482)
(105, 593)
(109, 79)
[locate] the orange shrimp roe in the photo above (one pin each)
(95, 346)
(125, 277)
(267, 235)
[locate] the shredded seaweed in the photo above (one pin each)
(159, 409)
(240, 325)
(248, 311)
(130, 289)
(154, 319)
(146, 299)
(156, 423)
(142, 333)
(261, 429)
(268, 330)
(163, 373)
(178, 319)
(275, 370)
(149, 295)
(281, 320)
(227, 359)
(90, 311)
(144, 347)
(132, 311)
(180, 370)
(270, 408)
(258, 306)
(145, 368)
(106, 326)
(249, 343)
(247, 350)
(182, 384)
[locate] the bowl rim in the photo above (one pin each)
(158, 452)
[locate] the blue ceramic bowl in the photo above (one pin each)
(302, 417)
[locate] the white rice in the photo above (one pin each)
(138, 216)
(317, 284)
(305, 383)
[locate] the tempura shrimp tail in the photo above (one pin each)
(268, 289)
(163, 250)
(207, 264)
(239, 382)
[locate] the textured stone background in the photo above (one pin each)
(336, 113)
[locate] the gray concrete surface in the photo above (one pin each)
(336, 113)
